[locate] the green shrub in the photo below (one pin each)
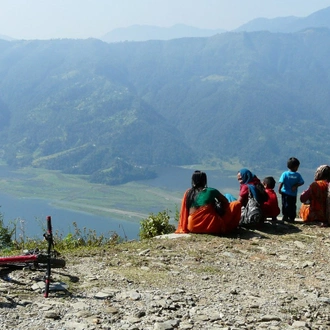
(75, 239)
(156, 224)
(5, 234)
(84, 238)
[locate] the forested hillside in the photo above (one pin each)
(111, 111)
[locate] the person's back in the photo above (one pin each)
(203, 218)
(198, 213)
(316, 199)
(289, 182)
(206, 196)
(270, 208)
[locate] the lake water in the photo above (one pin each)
(31, 213)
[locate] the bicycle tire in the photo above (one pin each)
(57, 263)
(54, 262)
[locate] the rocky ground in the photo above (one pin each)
(275, 278)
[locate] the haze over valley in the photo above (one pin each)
(113, 112)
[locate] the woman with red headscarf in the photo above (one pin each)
(198, 214)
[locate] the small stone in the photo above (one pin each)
(111, 310)
(52, 315)
(299, 324)
(300, 245)
(145, 252)
(268, 318)
(103, 295)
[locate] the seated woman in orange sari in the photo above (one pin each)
(316, 199)
(198, 214)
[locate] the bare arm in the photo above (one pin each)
(280, 187)
(295, 186)
(305, 195)
(223, 200)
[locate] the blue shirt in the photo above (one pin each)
(289, 179)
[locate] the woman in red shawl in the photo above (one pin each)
(198, 214)
(316, 199)
(250, 183)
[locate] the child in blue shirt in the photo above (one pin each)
(288, 188)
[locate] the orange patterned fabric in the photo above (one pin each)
(304, 212)
(316, 211)
(206, 221)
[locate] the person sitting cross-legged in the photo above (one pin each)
(198, 214)
(270, 208)
(316, 199)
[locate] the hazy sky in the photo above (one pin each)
(46, 19)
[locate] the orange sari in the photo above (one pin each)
(317, 209)
(205, 220)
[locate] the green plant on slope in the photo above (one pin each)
(156, 224)
(5, 234)
(85, 238)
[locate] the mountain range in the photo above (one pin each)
(320, 18)
(3, 37)
(146, 32)
(111, 111)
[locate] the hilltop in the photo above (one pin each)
(318, 19)
(271, 279)
(146, 32)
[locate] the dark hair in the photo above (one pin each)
(269, 181)
(293, 163)
(198, 182)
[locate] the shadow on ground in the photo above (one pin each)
(267, 228)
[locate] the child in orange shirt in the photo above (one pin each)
(270, 208)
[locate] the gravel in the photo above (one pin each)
(273, 278)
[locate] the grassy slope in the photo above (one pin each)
(131, 201)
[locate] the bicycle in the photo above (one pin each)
(36, 259)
